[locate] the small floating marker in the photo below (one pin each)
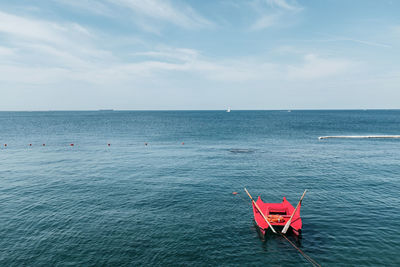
(5, 144)
(43, 144)
(183, 143)
(234, 193)
(30, 144)
(108, 144)
(71, 144)
(145, 143)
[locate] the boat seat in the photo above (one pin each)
(277, 211)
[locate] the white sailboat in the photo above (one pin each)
(228, 110)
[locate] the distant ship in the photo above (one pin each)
(228, 110)
(106, 110)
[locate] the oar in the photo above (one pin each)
(262, 214)
(291, 217)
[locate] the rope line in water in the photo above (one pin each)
(308, 258)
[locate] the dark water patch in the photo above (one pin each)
(242, 150)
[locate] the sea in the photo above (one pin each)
(156, 188)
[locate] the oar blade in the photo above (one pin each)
(287, 225)
(259, 210)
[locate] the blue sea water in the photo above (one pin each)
(171, 204)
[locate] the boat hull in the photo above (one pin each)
(263, 233)
(278, 214)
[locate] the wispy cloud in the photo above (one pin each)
(167, 53)
(264, 22)
(93, 6)
(149, 15)
(29, 29)
(335, 38)
(45, 48)
(20, 29)
(6, 51)
(58, 53)
(339, 38)
(183, 16)
(70, 52)
(365, 42)
(315, 67)
(282, 4)
(396, 29)
(273, 13)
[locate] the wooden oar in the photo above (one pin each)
(291, 217)
(259, 210)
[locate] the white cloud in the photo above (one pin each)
(44, 52)
(335, 38)
(315, 67)
(280, 16)
(54, 56)
(93, 6)
(28, 28)
(282, 4)
(20, 29)
(6, 51)
(264, 22)
(183, 16)
(181, 54)
(178, 60)
(87, 64)
(148, 14)
(368, 43)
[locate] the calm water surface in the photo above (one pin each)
(172, 204)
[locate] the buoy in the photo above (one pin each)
(183, 143)
(44, 145)
(109, 144)
(234, 193)
(71, 144)
(30, 144)
(5, 144)
(145, 143)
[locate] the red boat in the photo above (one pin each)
(277, 214)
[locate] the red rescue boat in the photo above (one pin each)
(277, 214)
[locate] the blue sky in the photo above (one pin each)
(160, 54)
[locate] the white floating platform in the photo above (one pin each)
(360, 136)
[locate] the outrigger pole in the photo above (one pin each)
(262, 214)
(290, 220)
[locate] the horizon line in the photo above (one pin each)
(285, 109)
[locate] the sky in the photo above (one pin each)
(199, 55)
